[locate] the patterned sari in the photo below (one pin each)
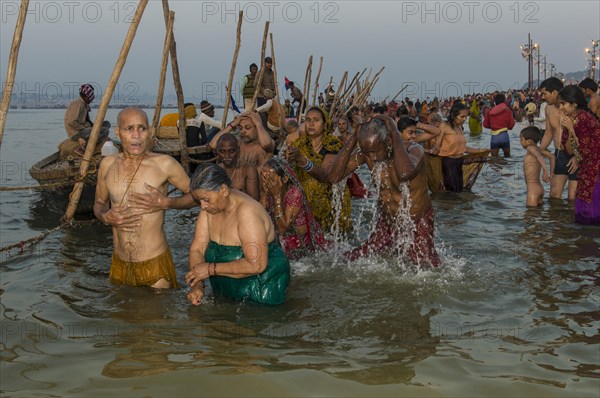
(320, 194)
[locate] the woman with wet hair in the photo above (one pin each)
(234, 244)
(285, 200)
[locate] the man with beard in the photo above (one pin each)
(243, 177)
(256, 145)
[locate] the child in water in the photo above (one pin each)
(533, 162)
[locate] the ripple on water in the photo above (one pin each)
(513, 309)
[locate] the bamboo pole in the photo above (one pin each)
(304, 93)
(347, 91)
(353, 82)
(399, 92)
(163, 73)
(366, 81)
(114, 78)
(238, 40)
(314, 102)
(307, 87)
(262, 66)
(335, 97)
(361, 99)
(368, 92)
(11, 70)
(330, 81)
(185, 155)
(279, 116)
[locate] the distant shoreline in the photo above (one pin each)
(143, 106)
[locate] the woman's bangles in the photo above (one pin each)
(309, 165)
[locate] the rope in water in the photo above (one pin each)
(31, 241)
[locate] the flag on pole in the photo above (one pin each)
(233, 105)
(287, 83)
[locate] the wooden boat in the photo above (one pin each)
(472, 166)
(60, 175)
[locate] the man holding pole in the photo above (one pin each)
(267, 82)
(131, 196)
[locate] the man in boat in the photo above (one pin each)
(243, 177)
(267, 82)
(79, 125)
(379, 144)
(131, 196)
(248, 86)
(256, 145)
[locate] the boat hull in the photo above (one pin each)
(60, 176)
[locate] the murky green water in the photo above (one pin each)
(512, 312)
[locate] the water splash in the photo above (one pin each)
(404, 230)
(339, 240)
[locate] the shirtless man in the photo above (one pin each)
(243, 177)
(131, 196)
(565, 167)
(590, 90)
(256, 145)
(379, 144)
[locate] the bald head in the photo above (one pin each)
(227, 138)
(373, 131)
(122, 116)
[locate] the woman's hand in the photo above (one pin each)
(573, 165)
(271, 183)
(196, 294)
(567, 123)
(293, 155)
(198, 273)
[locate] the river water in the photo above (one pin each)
(513, 311)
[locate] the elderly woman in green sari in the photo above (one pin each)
(234, 244)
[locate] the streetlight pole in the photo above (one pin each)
(536, 47)
(594, 55)
(545, 70)
(526, 52)
(530, 62)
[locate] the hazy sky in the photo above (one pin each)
(436, 47)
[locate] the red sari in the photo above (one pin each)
(294, 245)
(587, 195)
